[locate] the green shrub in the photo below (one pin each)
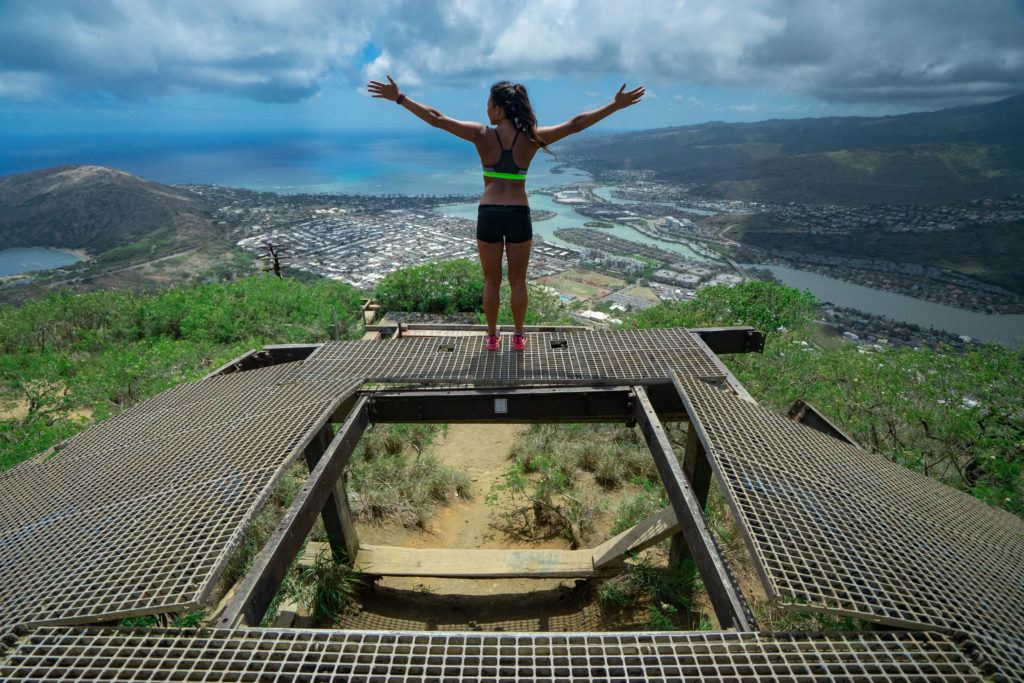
(326, 588)
(444, 287)
(630, 512)
(100, 352)
(394, 485)
(764, 305)
(663, 592)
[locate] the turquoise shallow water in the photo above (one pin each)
(566, 217)
(23, 260)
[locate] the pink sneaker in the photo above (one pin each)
(519, 342)
(493, 342)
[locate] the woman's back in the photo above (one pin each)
(501, 145)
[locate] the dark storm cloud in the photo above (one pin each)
(933, 51)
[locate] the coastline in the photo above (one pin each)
(81, 254)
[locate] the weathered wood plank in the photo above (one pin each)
(230, 364)
(269, 568)
(725, 595)
(654, 529)
(337, 517)
(698, 472)
(474, 563)
(806, 414)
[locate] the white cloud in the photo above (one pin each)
(264, 50)
(912, 50)
(284, 50)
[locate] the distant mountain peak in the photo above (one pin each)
(93, 207)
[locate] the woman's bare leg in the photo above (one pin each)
(490, 261)
(518, 259)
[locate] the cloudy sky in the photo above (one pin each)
(142, 65)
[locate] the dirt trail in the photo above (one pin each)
(467, 604)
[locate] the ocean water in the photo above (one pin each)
(426, 161)
(26, 259)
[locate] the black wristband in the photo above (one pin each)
(401, 96)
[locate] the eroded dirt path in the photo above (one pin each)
(460, 604)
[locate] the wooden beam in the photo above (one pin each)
(465, 327)
(337, 517)
(725, 595)
(474, 563)
(650, 531)
(730, 379)
(697, 470)
(525, 405)
(230, 366)
(803, 412)
(731, 339)
(269, 568)
(272, 354)
(288, 353)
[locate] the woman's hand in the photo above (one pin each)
(627, 99)
(389, 90)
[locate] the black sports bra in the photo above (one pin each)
(506, 167)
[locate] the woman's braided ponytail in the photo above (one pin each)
(515, 102)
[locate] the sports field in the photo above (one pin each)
(584, 284)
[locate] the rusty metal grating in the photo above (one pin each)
(836, 527)
(139, 514)
(564, 357)
(69, 654)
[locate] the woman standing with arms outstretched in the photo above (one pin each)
(503, 219)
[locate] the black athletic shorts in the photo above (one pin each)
(504, 222)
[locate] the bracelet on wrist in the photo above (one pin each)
(401, 96)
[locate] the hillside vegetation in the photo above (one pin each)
(972, 152)
(68, 360)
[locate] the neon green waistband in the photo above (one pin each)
(506, 176)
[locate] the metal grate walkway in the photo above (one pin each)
(838, 528)
(70, 654)
(138, 514)
(591, 358)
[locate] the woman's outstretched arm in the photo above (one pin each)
(623, 99)
(467, 130)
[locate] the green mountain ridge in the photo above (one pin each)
(952, 154)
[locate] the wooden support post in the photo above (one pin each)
(725, 595)
(337, 516)
(698, 472)
(260, 585)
